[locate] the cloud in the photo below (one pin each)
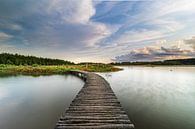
(10, 26)
(63, 25)
(191, 42)
(138, 36)
(142, 18)
(157, 52)
(88, 29)
(4, 36)
(73, 11)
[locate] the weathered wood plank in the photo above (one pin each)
(94, 107)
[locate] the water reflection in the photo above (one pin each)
(156, 97)
(28, 102)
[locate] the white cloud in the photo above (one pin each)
(160, 51)
(73, 11)
(191, 42)
(156, 19)
(138, 36)
(4, 36)
(11, 26)
(63, 24)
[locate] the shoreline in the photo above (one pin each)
(156, 65)
(6, 70)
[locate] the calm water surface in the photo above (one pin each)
(156, 97)
(28, 102)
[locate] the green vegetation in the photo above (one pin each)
(15, 59)
(190, 61)
(14, 64)
(52, 69)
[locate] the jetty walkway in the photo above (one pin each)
(94, 107)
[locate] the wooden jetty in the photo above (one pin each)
(94, 107)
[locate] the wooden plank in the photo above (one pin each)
(94, 107)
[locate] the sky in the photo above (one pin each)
(98, 30)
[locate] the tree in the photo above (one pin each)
(6, 58)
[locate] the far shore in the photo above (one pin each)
(53, 69)
(156, 65)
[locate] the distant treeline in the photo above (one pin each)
(15, 59)
(91, 63)
(190, 61)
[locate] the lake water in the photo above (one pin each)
(156, 97)
(28, 102)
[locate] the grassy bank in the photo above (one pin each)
(53, 69)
